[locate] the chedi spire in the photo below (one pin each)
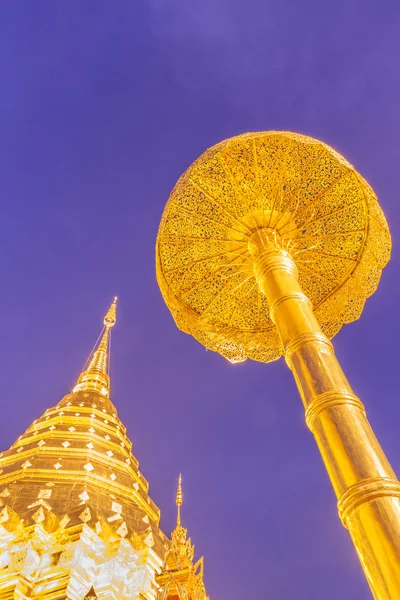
(95, 377)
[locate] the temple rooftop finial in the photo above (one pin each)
(181, 577)
(179, 500)
(111, 317)
(181, 547)
(95, 377)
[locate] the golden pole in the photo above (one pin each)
(366, 487)
(250, 219)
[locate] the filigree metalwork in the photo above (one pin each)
(268, 244)
(322, 212)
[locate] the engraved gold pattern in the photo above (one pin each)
(320, 210)
(269, 243)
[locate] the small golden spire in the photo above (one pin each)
(180, 545)
(179, 500)
(95, 376)
(181, 576)
(111, 317)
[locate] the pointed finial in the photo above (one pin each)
(181, 551)
(111, 317)
(95, 377)
(179, 500)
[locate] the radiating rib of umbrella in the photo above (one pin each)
(322, 193)
(238, 264)
(296, 252)
(368, 249)
(257, 229)
(238, 272)
(242, 282)
(314, 163)
(286, 212)
(233, 182)
(229, 214)
(288, 245)
(326, 235)
(299, 227)
(238, 304)
(273, 208)
(204, 239)
(229, 173)
(320, 252)
(205, 258)
(211, 274)
(327, 216)
(279, 185)
(225, 277)
(222, 290)
(328, 255)
(324, 278)
(257, 173)
(319, 197)
(191, 213)
(235, 299)
(319, 276)
(251, 290)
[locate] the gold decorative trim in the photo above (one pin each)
(300, 296)
(303, 339)
(329, 400)
(366, 491)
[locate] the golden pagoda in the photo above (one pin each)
(76, 518)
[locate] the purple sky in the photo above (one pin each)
(102, 106)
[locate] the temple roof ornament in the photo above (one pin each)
(95, 376)
(181, 579)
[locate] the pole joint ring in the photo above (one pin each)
(306, 338)
(267, 262)
(299, 296)
(329, 400)
(365, 491)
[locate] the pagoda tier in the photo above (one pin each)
(76, 511)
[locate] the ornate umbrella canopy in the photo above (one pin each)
(319, 209)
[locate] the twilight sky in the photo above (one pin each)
(103, 105)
